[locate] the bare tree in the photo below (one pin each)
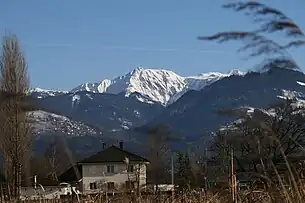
(15, 136)
(52, 155)
(185, 174)
(271, 21)
(158, 146)
(57, 158)
(264, 137)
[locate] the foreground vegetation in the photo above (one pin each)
(274, 195)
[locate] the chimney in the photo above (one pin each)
(121, 145)
(104, 145)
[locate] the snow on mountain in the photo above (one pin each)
(204, 79)
(93, 87)
(134, 100)
(256, 90)
(105, 111)
(40, 93)
(201, 81)
(158, 85)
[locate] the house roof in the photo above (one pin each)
(74, 173)
(111, 155)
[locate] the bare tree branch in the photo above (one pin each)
(262, 137)
(272, 20)
(158, 152)
(278, 21)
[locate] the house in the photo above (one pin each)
(111, 170)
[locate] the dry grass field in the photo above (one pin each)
(275, 195)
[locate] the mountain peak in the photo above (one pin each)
(158, 85)
(140, 69)
(236, 72)
(137, 69)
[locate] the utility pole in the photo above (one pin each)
(35, 181)
(173, 183)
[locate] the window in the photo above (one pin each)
(93, 186)
(110, 185)
(130, 169)
(110, 169)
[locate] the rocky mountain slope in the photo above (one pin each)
(139, 97)
(152, 85)
(105, 112)
(81, 138)
(156, 85)
(126, 102)
(50, 123)
(196, 112)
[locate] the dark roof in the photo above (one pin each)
(113, 154)
(73, 174)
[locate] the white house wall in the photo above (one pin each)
(98, 173)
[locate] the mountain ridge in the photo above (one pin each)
(257, 90)
(155, 85)
(192, 115)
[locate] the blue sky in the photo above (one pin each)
(68, 42)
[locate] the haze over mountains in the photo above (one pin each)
(113, 109)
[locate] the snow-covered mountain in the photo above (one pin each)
(135, 101)
(157, 85)
(40, 93)
(196, 112)
(108, 112)
(86, 118)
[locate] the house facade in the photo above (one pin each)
(112, 170)
(112, 177)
